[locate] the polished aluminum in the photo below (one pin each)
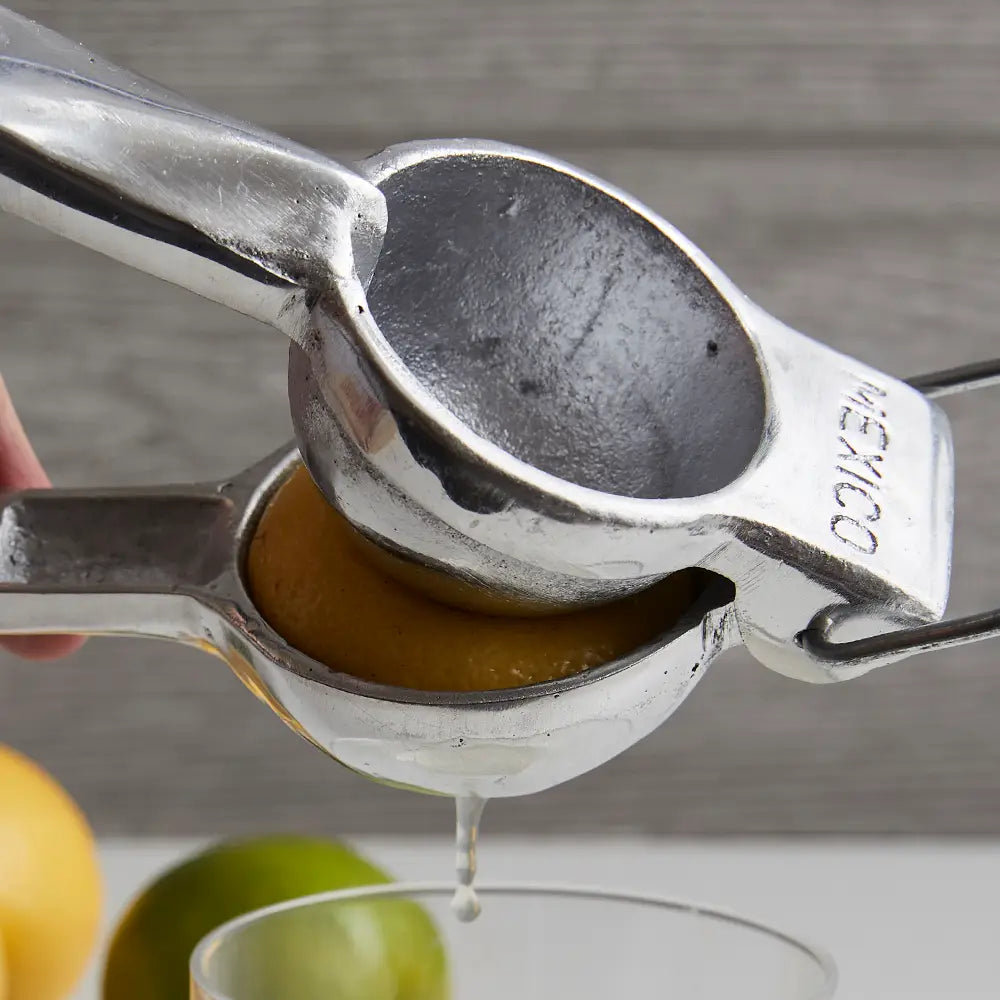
(122, 165)
(168, 563)
(113, 161)
(888, 647)
(547, 390)
(501, 367)
(555, 395)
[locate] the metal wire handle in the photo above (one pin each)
(890, 646)
(964, 378)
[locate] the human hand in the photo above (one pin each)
(21, 470)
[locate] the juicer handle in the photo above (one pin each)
(124, 166)
(126, 562)
(878, 650)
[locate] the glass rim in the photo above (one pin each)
(823, 959)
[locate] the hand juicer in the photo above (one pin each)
(500, 367)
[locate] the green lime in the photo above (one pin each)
(360, 950)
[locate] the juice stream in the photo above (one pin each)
(468, 813)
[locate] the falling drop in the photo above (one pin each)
(468, 812)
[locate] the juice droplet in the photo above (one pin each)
(465, 904)
(468, 812)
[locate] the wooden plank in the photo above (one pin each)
(569, 70)
(890, 255)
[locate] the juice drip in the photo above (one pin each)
(468, 812)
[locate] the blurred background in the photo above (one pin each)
(839, 158)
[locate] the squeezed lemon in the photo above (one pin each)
(315, 581)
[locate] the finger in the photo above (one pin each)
(41, 647)
(19, 465)
(21, 470)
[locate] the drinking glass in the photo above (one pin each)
(531, 942)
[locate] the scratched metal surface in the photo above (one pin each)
(841, 161)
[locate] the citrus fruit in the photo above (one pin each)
(316, 582)
(4, 994)
(50, 883)
(360, 951)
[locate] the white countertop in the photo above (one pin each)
(904, 920)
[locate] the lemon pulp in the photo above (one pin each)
(313, 579)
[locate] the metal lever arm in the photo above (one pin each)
(110, 561)
(882, 649)
(124, 166)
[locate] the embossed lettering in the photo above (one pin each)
(854, 492)
(863, 395)
(864, 441)
(863, 423)
(853, 455)
(854, 534)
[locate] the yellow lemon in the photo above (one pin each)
(318, 585)
(374, 950)
(50, 884)
(4, 993)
